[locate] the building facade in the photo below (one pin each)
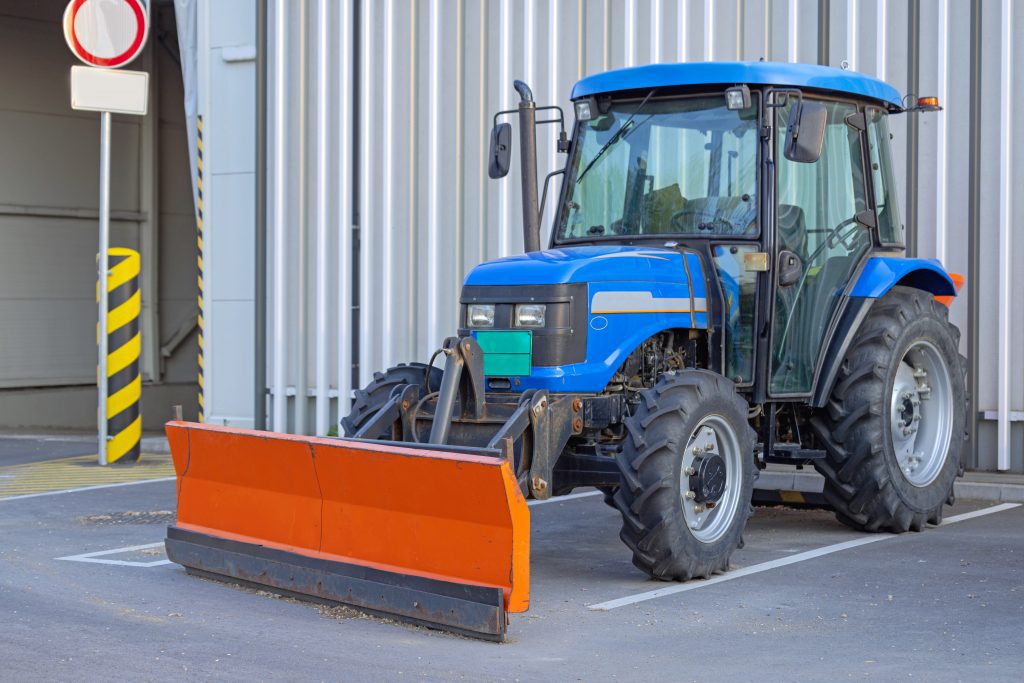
(378, 202)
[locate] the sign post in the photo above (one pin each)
(102, 271)
(106, 34)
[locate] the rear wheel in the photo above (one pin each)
(373, 397)
(894, 424)
(688, 473)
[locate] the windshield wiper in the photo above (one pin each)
(616, 136)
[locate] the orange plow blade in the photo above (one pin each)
(438, 536)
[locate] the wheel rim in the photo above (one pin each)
(921, 413)
(709, 520)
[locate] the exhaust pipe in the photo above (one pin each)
(528, 166)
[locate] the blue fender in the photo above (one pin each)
(882, 273)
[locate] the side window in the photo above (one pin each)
(890, 231)
(739, 286)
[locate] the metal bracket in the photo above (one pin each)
(553, 421)
(463, 380)
(383, 419)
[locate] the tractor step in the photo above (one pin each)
(788, 454)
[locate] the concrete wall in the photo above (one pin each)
(49, 155)
(388, 115)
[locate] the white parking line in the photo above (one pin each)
(781, 562)
(560, 499)
(86, 488)
(93, 557)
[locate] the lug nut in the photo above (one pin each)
(689, 495)
(690, 471)
(698, 508)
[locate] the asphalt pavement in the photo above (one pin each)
(807, 599)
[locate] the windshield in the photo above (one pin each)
(684, 166)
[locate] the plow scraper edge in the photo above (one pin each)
(435, 536)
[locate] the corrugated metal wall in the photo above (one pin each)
(390, 220)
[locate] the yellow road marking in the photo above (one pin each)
(77, 472)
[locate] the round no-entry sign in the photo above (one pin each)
(106, 33)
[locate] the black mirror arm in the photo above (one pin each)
(544, 195)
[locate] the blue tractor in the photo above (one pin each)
(725, 286)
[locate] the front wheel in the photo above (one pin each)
(688, 470)
(373, 396)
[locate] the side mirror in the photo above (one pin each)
(500, 153)
(805, 131)
(790, 268)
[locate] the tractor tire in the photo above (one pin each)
(373, 397)
(687, 470)
(894, 423)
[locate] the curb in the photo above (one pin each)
(155, 444)
(812, 482)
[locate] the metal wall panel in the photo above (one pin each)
(422, 80)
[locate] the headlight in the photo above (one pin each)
(480, 315)
(530, 315)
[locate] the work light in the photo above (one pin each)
(481, 315)
(737, 97)
(583, 111)
(530, 315)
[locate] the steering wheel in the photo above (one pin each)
(830, 240)
(833, 237)
(676, 220)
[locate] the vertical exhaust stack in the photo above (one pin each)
(528, 166)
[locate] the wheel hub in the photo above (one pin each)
(921, 413)
(708, 479)
(711, 475)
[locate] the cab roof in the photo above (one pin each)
(811, 76)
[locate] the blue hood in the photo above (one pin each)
(582, 264)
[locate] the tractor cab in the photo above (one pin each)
(777, 177)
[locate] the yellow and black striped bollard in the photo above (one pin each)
(199, 262)
(124, 345)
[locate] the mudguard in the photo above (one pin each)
(882, 273)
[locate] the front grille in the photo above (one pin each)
(563, 339)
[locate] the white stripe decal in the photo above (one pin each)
(634, 254)
(643, 302)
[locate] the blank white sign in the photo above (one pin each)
(119, 92)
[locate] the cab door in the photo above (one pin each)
(821, 216)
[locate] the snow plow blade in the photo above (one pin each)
(437, 536)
